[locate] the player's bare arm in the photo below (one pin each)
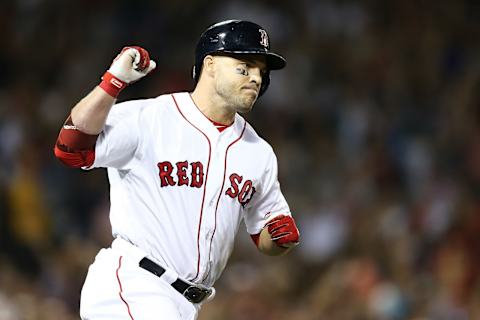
(89, 115)
(75, 144)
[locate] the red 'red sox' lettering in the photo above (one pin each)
(165, 172)
(235, 179)
(182, 173)
(245, 194)
(197, 174)
(181, 176)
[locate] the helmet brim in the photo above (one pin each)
(274, 60)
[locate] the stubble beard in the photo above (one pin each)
(237, 102)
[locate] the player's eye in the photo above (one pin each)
(242, 69)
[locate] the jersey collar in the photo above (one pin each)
(191, 112)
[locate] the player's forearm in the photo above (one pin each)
(267, 246)
(89, 115)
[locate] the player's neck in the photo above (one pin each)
(212, 108)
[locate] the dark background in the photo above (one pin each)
(375, 122)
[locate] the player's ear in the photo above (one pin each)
(208, 65)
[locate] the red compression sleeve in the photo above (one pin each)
(75, 148)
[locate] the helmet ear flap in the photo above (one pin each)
(265, 83)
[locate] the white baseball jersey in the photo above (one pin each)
(179, 188)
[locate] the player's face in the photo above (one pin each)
(238, 80)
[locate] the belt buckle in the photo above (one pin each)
(197, 293)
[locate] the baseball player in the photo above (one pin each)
(185, 169)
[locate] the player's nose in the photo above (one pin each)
(255, 75)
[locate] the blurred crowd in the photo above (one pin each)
(375, 122)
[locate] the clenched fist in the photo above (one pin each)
(283, 231)
(131, 64)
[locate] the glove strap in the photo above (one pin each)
(111, 84)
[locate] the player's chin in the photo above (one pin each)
(250, 98)
(252, 94)
(247, 105)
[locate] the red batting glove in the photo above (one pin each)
(283, 231)
(131, 64)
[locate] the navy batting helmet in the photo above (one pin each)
(237, 37)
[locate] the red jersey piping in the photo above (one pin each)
(221, 190)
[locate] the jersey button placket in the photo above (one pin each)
(215, 180)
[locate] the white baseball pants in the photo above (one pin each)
(117, 288)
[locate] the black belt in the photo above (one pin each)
(193, 293)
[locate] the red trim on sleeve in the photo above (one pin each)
(255, 238)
